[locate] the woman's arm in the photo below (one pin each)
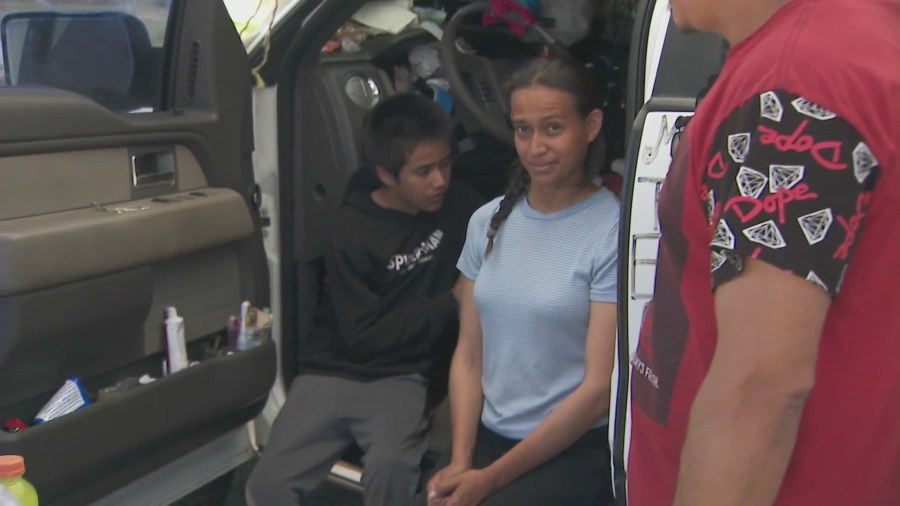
(466, 397)
(577, 413)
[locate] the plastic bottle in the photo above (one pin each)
(177, 350)
(12, 468)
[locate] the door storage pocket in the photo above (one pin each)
(91, 452)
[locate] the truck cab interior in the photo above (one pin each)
(323, 99)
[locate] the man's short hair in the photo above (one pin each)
(396, 126)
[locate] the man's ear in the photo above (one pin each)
(385, 176)
(594, 124)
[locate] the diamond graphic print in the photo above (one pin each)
(784, 176)
(710, 206)
(737, 261)
(739, 146)
(723, 237)
(813, 278)
(767, 234)
(751, 182)
(812, 109)
(863, 162)
(770, 107)
(815, 225)
(716, 261)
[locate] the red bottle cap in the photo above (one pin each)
(11, 466)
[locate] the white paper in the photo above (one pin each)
(385, 16)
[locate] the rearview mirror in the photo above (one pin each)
(100, 55)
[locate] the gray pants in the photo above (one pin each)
(322, 417)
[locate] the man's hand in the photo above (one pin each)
(468, 488)
(442, 476)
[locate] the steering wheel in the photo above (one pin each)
(483, 71)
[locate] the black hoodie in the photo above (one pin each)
(388, 309)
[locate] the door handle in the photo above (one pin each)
(153, 168)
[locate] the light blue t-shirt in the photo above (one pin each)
(533, 295)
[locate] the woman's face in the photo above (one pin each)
(551, 135)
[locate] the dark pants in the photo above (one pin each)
(579, 476)
(322, 417)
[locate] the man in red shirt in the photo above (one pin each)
(768, 367)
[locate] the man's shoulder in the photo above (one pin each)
(847, 68)
(350, 211)
(815, 63)
(462, 196)
(461, 202)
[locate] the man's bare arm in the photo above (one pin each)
(743, 423)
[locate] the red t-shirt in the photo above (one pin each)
(791, 158)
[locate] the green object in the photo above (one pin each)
(12, 470)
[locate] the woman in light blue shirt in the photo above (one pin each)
(529, 384)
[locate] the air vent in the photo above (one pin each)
(193, 66)
(479, 87)
(484, 88)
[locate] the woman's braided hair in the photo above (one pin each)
(564, 74)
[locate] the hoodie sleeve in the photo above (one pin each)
(370, 327)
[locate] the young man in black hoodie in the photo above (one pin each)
(381, 347)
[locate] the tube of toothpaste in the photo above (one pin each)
(244, 335)
(69, 398)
